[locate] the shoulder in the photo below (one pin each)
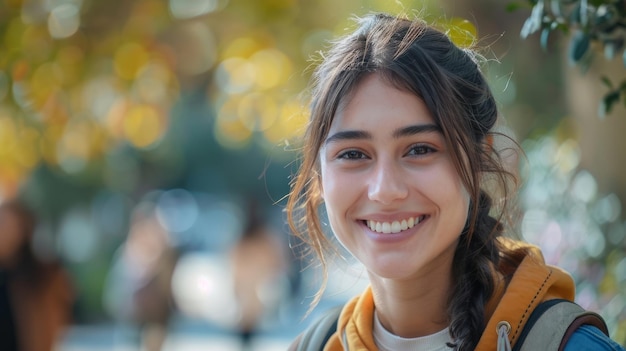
(295, 344)
(590, 338)
(318, 333)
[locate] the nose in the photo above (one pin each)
(387, 184)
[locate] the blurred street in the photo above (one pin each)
(276, 330)
(188, 335)
(184, 338)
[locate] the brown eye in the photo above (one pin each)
(352, 155)
(418, 150)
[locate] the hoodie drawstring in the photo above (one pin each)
(503, 328)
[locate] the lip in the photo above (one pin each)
(390, 238)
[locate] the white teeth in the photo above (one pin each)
(395, 226)
(386, 228)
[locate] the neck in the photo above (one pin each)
(416, 307)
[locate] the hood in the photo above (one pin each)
(532, 282)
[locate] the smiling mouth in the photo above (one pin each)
(395, 226)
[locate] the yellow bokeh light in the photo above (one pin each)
(242, 47)
(36, 41)
(13, 34)
(115, 117)
(11, 177)
(52, 134)
(392, 7)
(70, 59)
(272, 66)
(18, 153)
(232, 134)
(18, 143)
(143, 125)
(461, 32)
(257, 111)
(129, 59)
(46, 79)
(235, 75)
(76, 139)
(291, 123)
(153, 82)
(230, 130)
(8, 132)
(28, 154)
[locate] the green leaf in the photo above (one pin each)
(514, 6)
(563, 27)
(574, 17)
(578, 46)
(533, 23)
(607, 82)
(555, 7)
(609, 50)
(584, 15)
(607, 102)
(605, 17)
(545, 34)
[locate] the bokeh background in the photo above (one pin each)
(192, 108)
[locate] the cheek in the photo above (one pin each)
(337, 183)
(337, 192)
(328, 185)
(327, 181)
(463, 205)
(445, 188)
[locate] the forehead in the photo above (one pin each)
(376, 104)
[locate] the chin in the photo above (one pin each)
(391, 270)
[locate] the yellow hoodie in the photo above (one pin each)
(533, 282)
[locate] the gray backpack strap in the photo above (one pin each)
(553, 322)
(317, 334)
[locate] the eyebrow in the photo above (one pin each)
(416, 129)
(399, 133)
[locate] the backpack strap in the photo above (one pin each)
(317, 334)
(553, 322)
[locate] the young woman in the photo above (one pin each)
(399, 151)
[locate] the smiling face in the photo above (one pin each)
(393, 196)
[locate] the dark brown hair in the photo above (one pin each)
(415, 57)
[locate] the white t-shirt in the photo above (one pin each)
(387, 341)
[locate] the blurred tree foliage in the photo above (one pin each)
(594, 26)
(142, 94)
(113, 99)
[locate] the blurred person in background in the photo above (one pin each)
(36, 295)
(138, 291)
(259, 265)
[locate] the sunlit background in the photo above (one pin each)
(193, 108)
